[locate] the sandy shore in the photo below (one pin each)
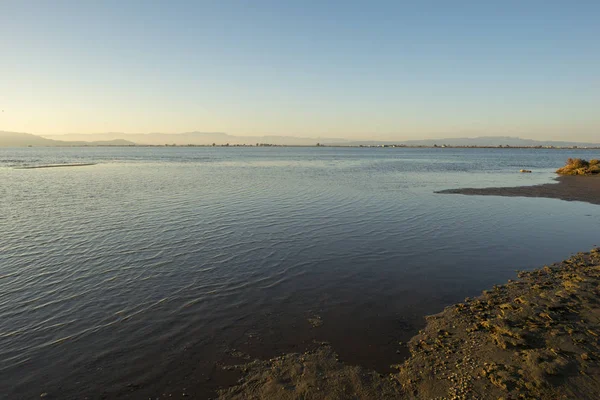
(536, 337)
(570, 188)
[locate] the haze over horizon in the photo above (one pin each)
(384, 71)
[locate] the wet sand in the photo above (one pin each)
(570, 188)
(536, 337)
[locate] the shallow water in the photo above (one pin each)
(140, 275)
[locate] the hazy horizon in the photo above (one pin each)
(223, 138)
(399, 138)
(385, 71)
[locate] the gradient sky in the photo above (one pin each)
(354, 69)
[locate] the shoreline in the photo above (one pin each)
(370, 146)
(568, 188)
(535, 337)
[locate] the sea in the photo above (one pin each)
(146, 274)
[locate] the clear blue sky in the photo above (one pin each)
(367, 69)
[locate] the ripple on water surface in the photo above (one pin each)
(147, 268)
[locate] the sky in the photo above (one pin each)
(346, 69)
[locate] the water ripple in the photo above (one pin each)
(155, 250)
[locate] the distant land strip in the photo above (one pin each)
(55, 166)
(20, 139)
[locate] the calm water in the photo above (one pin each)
(138, 277)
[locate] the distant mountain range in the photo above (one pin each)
(15, 139)
(192, 138)
(18, 139)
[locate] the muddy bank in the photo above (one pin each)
(536, 337)
(570, 188)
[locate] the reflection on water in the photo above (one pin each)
(138, 276)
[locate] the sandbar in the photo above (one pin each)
(569, 188)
